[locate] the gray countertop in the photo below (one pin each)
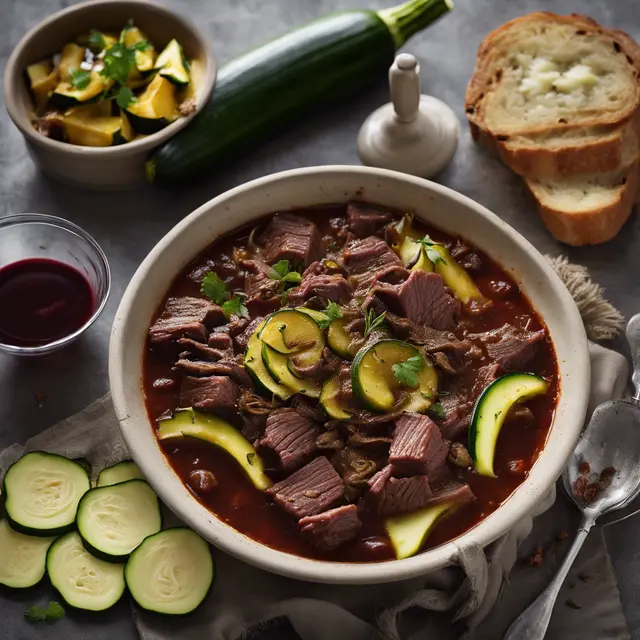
(36, 394)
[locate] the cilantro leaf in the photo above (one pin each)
(35, 613)
(372, 321)
(235, 307)
(118, 62)
(437, 410)
(279, 270)
(143, 45)
(406, 372)
(332, 312)
(125, 97)
(214, 288)
(96, 40)
(80, 78)
(293, 277)
(427, 245)
(54, 611)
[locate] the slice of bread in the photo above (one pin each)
(543, 72)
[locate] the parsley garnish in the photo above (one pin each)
(96, 41)
(332, 312)
(433, 255)
(235, 307)
(372, 321)
(52, 612)
(125, 97)
(216, 289)
(281, 271)
(406, 372)
(437, 410)
(80, 78)
(118, 62)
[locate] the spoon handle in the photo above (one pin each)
(533, 622)
(633, 338)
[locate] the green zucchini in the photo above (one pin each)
(277, 364)
(491, 410)
(339, 339)
(318, 316)
(121, 472)
(293, 332)
(65, 95)
(71, 57)
(171, 64)
(331, 401)
(407, 532)
(261, 92)
(43, 79)
(145, 59)
(155, 108)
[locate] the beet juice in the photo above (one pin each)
(42, 301)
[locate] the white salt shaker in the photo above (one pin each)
(413, 133)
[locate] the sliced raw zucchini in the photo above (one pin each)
(84, 581)
(277, 364)
(71, 57)
(331, 401)
(42, 492)
(93, 132)
(155, 107)
(22, 558)
(291, 331)
(112, 521)
(265, 384)
(318, 316)
(43, 79)
(171, 572)
(65, 95)
(409, 531)
(339, 339)
(171, 64)
(121, 472)
(194, 424)
(376, 386)
(491, 410)
(146, 58)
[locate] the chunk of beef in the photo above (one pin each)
(458, 493)
(289, 437)
(465, 256)
(356, 466)
(422, 299)
(328, 287)
(484, 377)
(418, 448)
(185, 316)
(321, 369)
(332, 528)
(368, 260)
(263, 292)
(310, 490)
(221, 341)
(307, 408)
(510, 347)
(293, 238)
(198, 350)
(218, 394)
(221, 368)
(433, 340)
(366, 220)
(242, 339)
(389, 496)
(445, 364)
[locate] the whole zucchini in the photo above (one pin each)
(263, 90)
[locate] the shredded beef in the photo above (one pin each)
(194, 349)
(221, 342)
(455, 492)
(185, 316)
(510, 347)
(294, 238)
(242, 339)
(332, 528)
(326, 287)
(218, 394)
(221, 368)
(306, 408)
(263, 292)
(366, 220)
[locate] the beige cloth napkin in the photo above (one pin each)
(246, 600)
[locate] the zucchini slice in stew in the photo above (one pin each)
(121, 472)
(409, 531)
(43, 79)
(318, 316)
(277, 364)
(291, 331)
(171, 64)
(331, 401)
(171, 572)
(155, 107)
(145, 59)
(253, 363)
(375, 384)
(339, 339)
(491, 410)
(71, 56)
(456, 277)
(42, 492)
(194, 424)
(66, 95)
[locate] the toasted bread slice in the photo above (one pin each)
(543, 73)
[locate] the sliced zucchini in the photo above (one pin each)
(171, 572)
(112, 521)
(22, 558)
(65, 95)
(101, 109)
(456, 277)
(42, 492)
(43, 79)
(375, 384)
(93, 132)
(145, 59)
(85, 582)
(331, 401)
(171, 64)
(155, 107)
(409, 531)
(126, 133)
(318, 316)
(293, 332)
(254, 365)
(121, 472)
(194, 424)
(277, 364)
(87, 39)
(492, 408)
(339, 339)
(37, 72)
(71, 57)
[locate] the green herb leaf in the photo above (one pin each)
(143, 45)
(54, 611)
(372, 321)
(80, 78)
(437, 410)
(332, 312)
(125, 97)
(433, 255)
(406, 372)
(284, 297)
(35, 613)
(293, 277)
(279, 270)
(96, 41)
(214, 288)
(118, 62)
(235, 307)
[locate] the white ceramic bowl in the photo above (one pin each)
(435, 204)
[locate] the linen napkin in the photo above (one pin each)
(249, 604)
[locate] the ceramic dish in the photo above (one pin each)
(101, 167)
(441, 207)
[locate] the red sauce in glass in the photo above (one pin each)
(42, 301)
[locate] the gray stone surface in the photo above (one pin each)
(128, 225)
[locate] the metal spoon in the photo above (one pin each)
(610, 440)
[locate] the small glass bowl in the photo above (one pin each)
(34, 235)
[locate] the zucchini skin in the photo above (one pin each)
(266, 89)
